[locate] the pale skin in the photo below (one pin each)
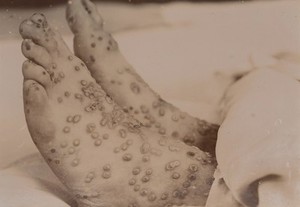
(94, 147)
(104, 132)
(100, 52)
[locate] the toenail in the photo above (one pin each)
(70, 57)
(77, 68)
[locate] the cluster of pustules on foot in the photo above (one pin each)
(100, 144)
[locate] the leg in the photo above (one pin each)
(94, 147)
(118, 78)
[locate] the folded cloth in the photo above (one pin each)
(258, 148)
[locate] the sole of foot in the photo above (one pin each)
(101, 54)
(94, 147)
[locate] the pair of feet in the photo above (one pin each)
(100, 127)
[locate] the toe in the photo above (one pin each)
(38, 32)
(82, 14)
(36, 53)
(34, 94)
(91, 10)
(32, 71)
(36, 109)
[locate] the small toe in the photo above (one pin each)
(34, 94)
(36, 53)
(36, 107)
(32, 71)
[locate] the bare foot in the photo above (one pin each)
(103, 155)
(118, 78)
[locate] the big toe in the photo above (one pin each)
(83, 14)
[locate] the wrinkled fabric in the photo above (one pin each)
(258, 148)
